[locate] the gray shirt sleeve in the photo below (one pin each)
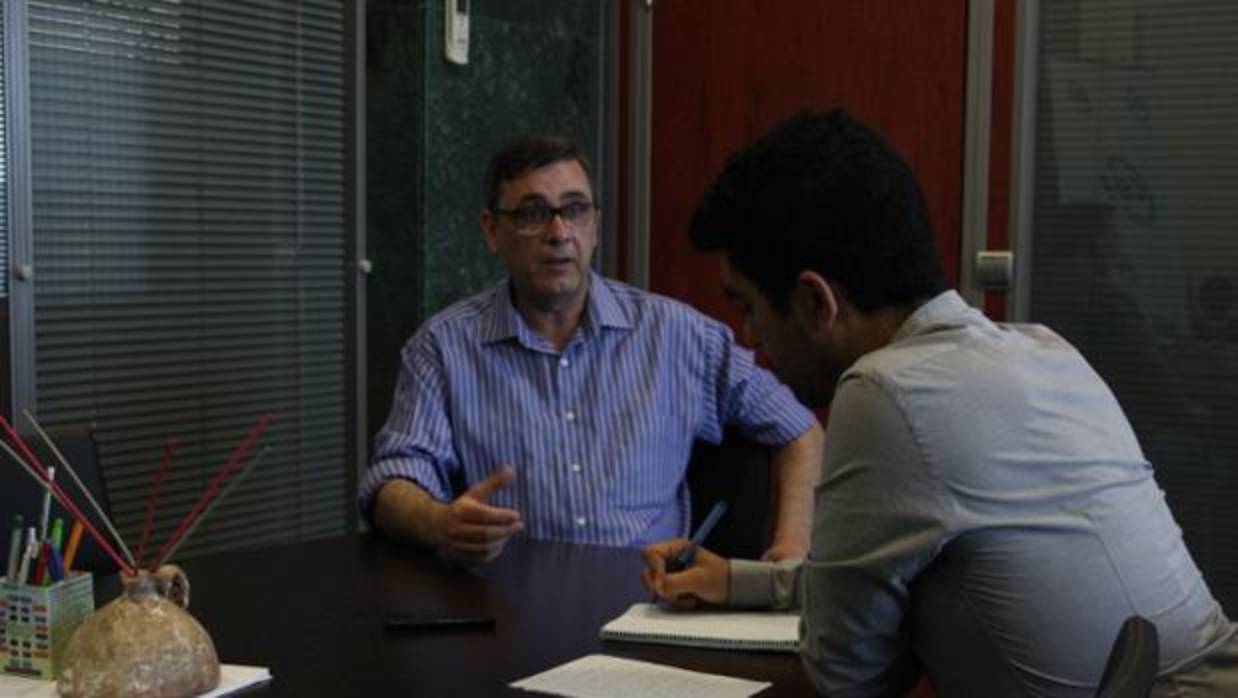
(773, 585)
(880, 517)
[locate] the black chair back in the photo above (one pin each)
(1133, 661)
(737, 472)
(19, 494)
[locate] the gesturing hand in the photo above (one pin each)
(472, 530)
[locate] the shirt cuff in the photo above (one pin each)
(757, 584)
(750, 584)
(379, 473)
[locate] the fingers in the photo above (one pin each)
(647, 580)
(475, 531)
(477, 542)
(464, 532)
(654, 575)
(689, 583)
(469, 510)
(707, 580)
(483, 490)
(656, 556)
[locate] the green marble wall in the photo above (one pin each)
(534, 66)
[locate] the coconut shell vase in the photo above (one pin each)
(144, 644)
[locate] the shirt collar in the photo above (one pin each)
(946, 308)
(603, 307)
(500, 320)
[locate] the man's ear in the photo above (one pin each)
(489, 231)
(815, 301)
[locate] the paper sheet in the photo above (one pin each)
(739, 630)
(232, 677)
(603, 676)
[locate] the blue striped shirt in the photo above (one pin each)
(599, 435)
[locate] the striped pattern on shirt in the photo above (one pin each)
(599, 435)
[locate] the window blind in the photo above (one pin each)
(1135, 256)
(189, 240)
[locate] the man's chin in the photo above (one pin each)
(554, 294)
(562, 286)
(811, 395)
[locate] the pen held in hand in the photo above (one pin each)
(684, 559)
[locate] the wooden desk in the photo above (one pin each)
(312, 613)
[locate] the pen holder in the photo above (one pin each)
(36, 623)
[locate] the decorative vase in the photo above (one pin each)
(144, 644)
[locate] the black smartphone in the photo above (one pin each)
(435, 618)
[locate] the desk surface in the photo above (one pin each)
(312, 613)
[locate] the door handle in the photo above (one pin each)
(994, 270)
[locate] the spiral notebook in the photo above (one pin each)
(734, 630)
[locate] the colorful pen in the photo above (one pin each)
(55, 565)
(40, 565)
(16, 552)
(47, 503)
(57, 536)
(75, 540)
(32, 550)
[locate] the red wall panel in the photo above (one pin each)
(724, 71)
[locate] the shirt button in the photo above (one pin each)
(576, 467)
(563, 361)
(580, 521)
(570, 415)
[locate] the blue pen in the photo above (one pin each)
(55, 565)
(688, 554)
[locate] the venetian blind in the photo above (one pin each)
(1135, 256)
(189, 241)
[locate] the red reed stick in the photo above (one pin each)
(225, 472)
(40, 471)
(169, 447)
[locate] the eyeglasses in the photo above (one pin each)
(533, 219)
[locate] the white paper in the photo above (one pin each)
(232, 677)
(738, 630)
(603, 676)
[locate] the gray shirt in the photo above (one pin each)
(986, 512)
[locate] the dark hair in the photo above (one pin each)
(822, 191)
(530, 153)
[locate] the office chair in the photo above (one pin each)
(737, 471)
(21, 495)
(1133, 661)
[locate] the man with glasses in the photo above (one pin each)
(563, 404)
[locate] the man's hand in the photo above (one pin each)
(706, 580)
(471, 530)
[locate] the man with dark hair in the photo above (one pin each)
(563, 404)
(984, 512)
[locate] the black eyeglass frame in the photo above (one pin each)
(542, 214)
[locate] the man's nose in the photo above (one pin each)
(557, 229)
